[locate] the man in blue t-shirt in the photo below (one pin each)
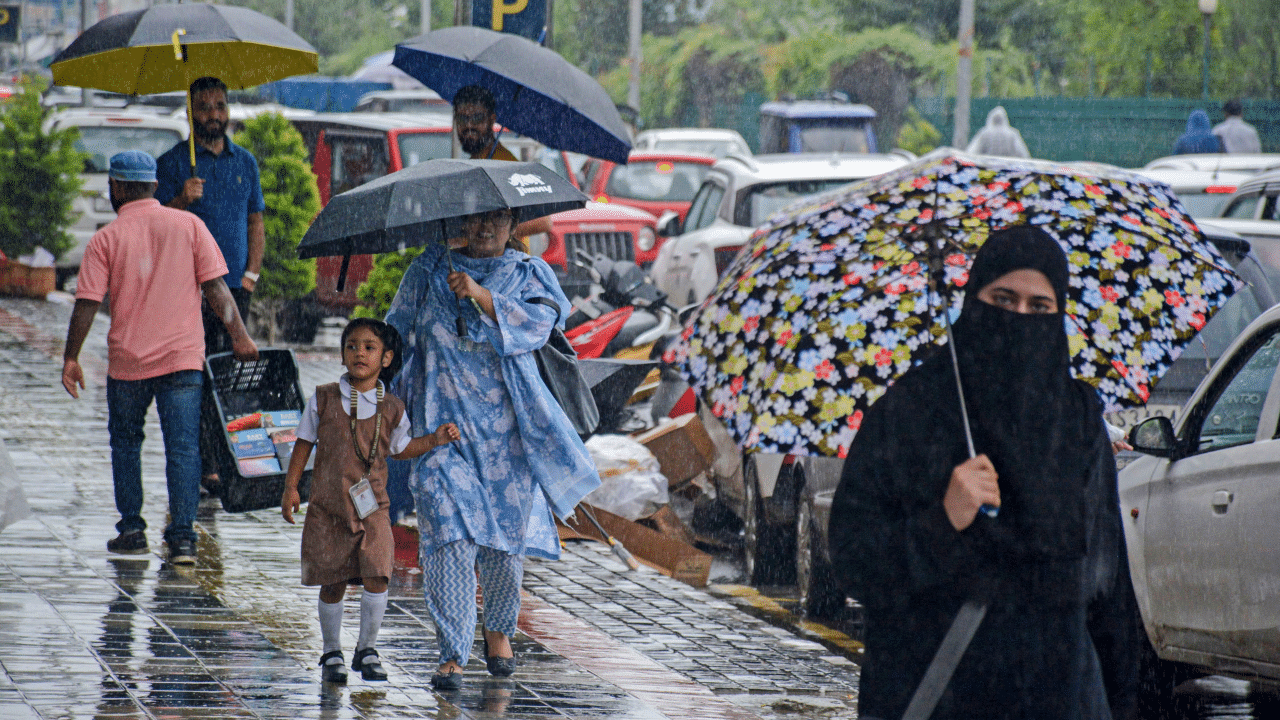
(225, 192)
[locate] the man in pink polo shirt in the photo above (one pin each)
(156, 262)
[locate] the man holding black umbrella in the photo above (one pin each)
(223, 190)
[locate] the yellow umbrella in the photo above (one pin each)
(165, 47)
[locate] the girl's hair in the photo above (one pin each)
(390, 341)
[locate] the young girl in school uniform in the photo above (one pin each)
(346, 537)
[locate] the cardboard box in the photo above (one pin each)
(667, 555)
(682, 446)
(668, 523)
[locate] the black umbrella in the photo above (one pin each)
(538, 93)
(426, 203)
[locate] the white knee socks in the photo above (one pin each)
(372, 606)
(331, 625)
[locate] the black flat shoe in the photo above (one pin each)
(447, 681)
(498, 666)
(370, 666)
(333, 672)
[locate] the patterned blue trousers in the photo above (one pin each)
(449, 587)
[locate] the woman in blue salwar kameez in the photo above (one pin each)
(485, 502)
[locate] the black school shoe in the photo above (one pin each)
(333, 672)
(447, 681)
(369, 665)
(498, 666)
(182, 552)
(130, 543)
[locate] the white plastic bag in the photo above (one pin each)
(13, 503)
(631, 483)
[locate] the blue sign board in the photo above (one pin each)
(526, 18)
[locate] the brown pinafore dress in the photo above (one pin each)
(337, 546)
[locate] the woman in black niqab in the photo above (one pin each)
(1058, 638)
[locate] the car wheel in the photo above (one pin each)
(765, 547)
(819, 596)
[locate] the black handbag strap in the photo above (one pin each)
(549, 303)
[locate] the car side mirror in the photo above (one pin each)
(1154, 436)
(669, 224)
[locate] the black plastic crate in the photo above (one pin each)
(233, 389)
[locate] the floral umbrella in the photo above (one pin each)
(835, 298)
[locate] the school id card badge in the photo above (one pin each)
(363, 498)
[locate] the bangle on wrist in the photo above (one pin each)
(253, 276)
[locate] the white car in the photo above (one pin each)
(1202, 192)
(1199, 511)
(717, 142)
(738, 194)
(1221, 162)
(103, 133)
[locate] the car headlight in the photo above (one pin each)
(538, 243)
(102, 204)
(646, 239)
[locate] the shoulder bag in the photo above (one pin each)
(558, 365)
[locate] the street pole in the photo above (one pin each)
(1207, 9)
(551, 25)
(288, 14)
(461, 12)
(426, 16)
(964, 76)
(633, 53)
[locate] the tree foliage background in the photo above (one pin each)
(39, 177)
(292, 202)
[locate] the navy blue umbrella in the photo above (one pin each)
(538, 93)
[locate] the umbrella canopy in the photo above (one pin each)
(834, 299)
(538, 93)
(414, 206)
(134, 53)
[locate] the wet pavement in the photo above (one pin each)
(89, 634)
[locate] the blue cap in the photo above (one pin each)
(133, 166)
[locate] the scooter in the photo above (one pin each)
(623, 316)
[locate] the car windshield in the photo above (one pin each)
(1262, 277)
(717, 148)
(761, 201)
(833, 138)
(103, 142)
(421, 146)
(1203, 205)
(663, 180)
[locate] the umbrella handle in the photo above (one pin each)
(180, 54)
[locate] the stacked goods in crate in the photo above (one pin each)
(262, 442)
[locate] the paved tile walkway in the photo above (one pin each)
(87, 634)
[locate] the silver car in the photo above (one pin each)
(1200, 511)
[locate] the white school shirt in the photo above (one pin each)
(366, 405)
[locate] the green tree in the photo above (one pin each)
(379, 289)
(39, 177)
(292, 200)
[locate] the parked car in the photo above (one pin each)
(656, 182)
(717, 142)
(738, 194)
(103, 133)
(828, 126)
(1202, 192)
(420, 100)
(350, 149)
(1199, 512)
(616, 231)
(1224, 162)
(1257, 198)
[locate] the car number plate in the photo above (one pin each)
(1126, 419)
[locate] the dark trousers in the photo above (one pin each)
(218, 340)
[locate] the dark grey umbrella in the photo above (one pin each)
(426, 203)
(538, 93)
